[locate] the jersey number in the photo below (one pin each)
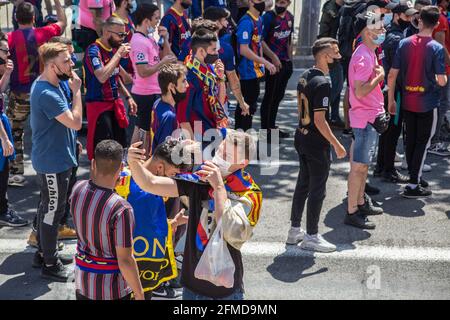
(303, 109)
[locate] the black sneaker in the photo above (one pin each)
(358, 220)
(370, 190)
(418, 192)
(38, 260)
(378, 172)
(369, 209)
(12, 219)
(57, 272)
(284, 134)
(395, 177)
(423, 183)
(347, 132)
(164, 291)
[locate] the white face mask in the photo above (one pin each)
(224, 166)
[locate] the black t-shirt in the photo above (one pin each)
(313, 92)
(198, 194)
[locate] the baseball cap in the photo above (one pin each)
(406, 7)
(367, 19)
(387, 4)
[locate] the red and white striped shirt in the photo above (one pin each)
(103, 221)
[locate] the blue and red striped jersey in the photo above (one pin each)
(278, 33)
(179, 29)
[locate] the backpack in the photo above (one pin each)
(346, 32)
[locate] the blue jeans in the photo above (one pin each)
(365, 144)
(337, 84)
(189, 295)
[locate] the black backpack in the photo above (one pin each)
(346, 32)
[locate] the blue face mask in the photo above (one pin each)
(150, 30)
(133, 6)
(380, 39)
(388, 18)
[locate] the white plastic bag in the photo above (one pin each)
(216, 264)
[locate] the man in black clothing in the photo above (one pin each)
(313, 139)
(413, 28)
(388, 141)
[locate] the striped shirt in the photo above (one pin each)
(103, 221)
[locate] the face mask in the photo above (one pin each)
(185, 5)
(260, 7)
(132, 7)
(403, 24)
(224, 166)
(380, 39)
(178, 96)
(63, 76)
(150, 30)
(114, 44)
(388, 18)
(280, 10)
(2, 61)
(333, 64)
(211, 58)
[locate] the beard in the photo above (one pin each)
(113, 43)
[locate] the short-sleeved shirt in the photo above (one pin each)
(96, 57)
(129, 29)
(164, 123)
(278, 33)
(144, 51)
(361, 68)
(24, 44)
(197, 238)
(198, 7)
(313, 90)
(179, 29)
(419, 60)
(195, 107)
(443, 26)
(103, 221)
(87, 19)
(53, 143)
(226, 52)
(250, 32)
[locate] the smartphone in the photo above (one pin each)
(142, 138)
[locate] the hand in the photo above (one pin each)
(80, 147)
(379, 73)
(272, 69)
(219, 68)
(162, 31)
(245, 109)
(179, 220)
(75, 82)
(340, 151)
(133, 106)
(169, 59)
(9, 67)
(392, 107)
(135, 154)
(7, 146)
(209, 172)
(277, 63)
(123, 50)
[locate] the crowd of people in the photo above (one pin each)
(169, 152)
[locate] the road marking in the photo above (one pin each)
(274, 249)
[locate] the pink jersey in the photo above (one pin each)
(86, 17)
(362, 68)
(144, 51)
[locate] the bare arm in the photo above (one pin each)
(440, 37)
(362, 89)
(126, 77)
(269, 53)
(73, 118)
(322, 125)
(61, 15)
(441, 79)
(129, 270)
(103, 74)
(249, 54)
(235, 86)
(4, 80)
(392, 80)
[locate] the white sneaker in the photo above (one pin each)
(439, 149)
(426, 168)
(399, 157)
(404, 164)
(295, 235)
(16, 180)
(317, 243)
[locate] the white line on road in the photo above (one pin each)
(273, 249)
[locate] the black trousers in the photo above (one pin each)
(387, 144)
(274, 92)
(420, 128)
(4, 175)
(108, 129)
(250, 92)
(311, 185)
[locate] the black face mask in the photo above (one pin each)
(211, 58)
(333, 64)
(260, 7)
(403, 24)
(113, 43)
(63, 76)
(185, 5)
(178, 96)
(280, 10)
(2, 61)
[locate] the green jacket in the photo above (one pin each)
(329, 22)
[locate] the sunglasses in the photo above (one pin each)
(120, 34)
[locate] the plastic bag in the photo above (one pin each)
(216, 264)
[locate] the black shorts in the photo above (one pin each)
(107, 128)
(144, 109)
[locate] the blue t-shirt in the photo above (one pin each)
(226, 52)
(419, 60)
(249, 32)
(164, 123)
(53, 143)
(199, 6)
